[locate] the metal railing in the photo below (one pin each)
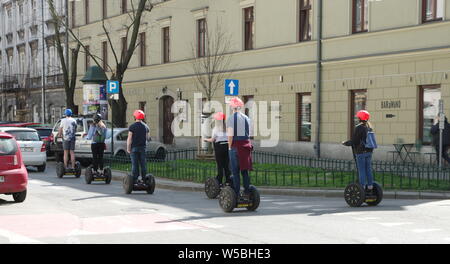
(287, 170)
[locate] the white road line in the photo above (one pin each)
(366, 218)
(118, 202)
(395, 224)
(16, 238)
(425, 230)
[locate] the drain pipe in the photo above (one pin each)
(318, 77)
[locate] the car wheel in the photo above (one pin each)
(20, 197)
(41, 168)
(121, 156)
(160, 154)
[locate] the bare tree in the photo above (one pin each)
(69, 74)
(211, 65)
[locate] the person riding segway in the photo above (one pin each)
(67, 130)
(239, 151)
(213, 185)
(363, 143)
(136, 146)
(97, 133)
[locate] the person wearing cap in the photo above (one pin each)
(239, 146)
(67, 130)
(220, 139)
(138, 134)
(363, 154)
(97, 132)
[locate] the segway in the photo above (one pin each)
(92, 176)
(228, 199)
(355, 194)
(62, 171)
(148, 184)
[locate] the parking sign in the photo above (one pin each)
(112, 87)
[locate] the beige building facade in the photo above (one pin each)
(390, 57)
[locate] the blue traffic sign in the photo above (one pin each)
(232, 87)
(112, 87)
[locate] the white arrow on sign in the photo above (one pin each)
(231, 86)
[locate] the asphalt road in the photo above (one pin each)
(69, 211)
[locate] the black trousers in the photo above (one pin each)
(223, 162)
(97, 154)
(444, 153)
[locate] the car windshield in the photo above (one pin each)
(7, 147)
(25, 135)
(44, 132)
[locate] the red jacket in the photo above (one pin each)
(244, 151)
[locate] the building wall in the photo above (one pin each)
(396, 56)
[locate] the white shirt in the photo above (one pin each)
(69, 128)
(219, 135)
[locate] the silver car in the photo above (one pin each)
(155, 149)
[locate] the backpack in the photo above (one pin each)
(371, 142)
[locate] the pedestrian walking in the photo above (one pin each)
(97, 132)
(445, 139)
(362, 143)
(138, 134)
(220, 139)
(239, 146)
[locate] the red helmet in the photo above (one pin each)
(236, 102)
(219, 116)
(363, 115)
(139, 114)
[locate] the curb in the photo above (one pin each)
(169, 184)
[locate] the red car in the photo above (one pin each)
(13, 174)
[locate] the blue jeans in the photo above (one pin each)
(138, 160)
(364, 163)
(236, 178)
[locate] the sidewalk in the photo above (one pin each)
(170, 184)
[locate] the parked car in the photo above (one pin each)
(82, 146)
(45, 133)
(155, 150)
(13, 174)
(32, 147)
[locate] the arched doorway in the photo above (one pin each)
(167, 119)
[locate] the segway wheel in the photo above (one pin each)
(128, 184)
(77, 169)
(150, 181)
(354, 195)
(60, 169)
(107, 174)
(378, 191)
(227, 199)
(212, 188)
(254, 198)
(88, 175)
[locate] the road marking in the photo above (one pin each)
(118, 202)
(366, 218)
(395, 224)
(425, 230)
(38, 182)
(16, 238)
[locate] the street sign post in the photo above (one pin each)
(441, 129)
(232, 87)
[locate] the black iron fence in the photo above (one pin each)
(286, 170)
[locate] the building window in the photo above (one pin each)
(105, 55)
(358, 102)
(124, 6)
(72, 10)
(428, 109)
(166, 44)
(87, 58)
(304, 117)
(201, 37)
(432, 10)
(142, 50)
(360, 16)
(86, 11)
(104, 9)
(305, 20)
(124, 41)
(249, 29)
